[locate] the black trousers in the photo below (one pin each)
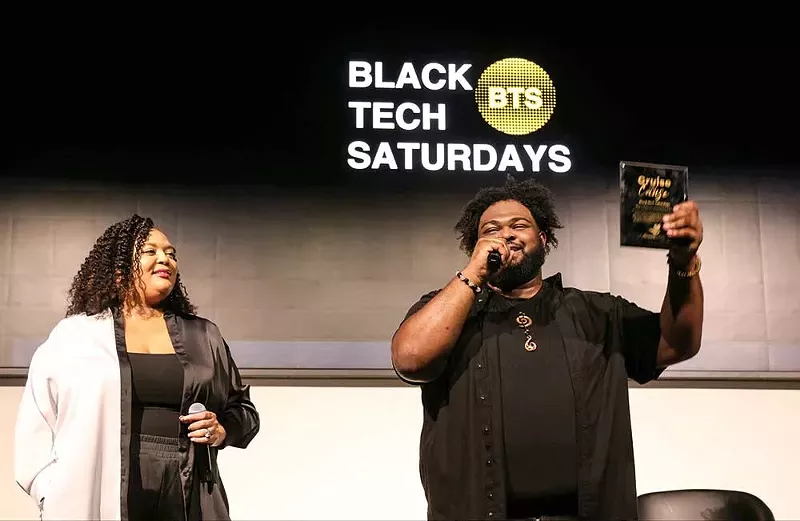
(155, 492)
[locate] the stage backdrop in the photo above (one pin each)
(310, 213)
(302, 279)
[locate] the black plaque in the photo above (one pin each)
(649, 191)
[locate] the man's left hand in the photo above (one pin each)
(684, 224)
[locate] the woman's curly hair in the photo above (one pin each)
(107, 278)
(534, 196)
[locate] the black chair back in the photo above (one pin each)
(702, 505)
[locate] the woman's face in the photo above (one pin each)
(159, 266)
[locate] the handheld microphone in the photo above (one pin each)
(194, 409)
(494, 260)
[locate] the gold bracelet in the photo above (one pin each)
(691, 273)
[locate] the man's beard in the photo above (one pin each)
(516, 275)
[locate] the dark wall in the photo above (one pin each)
(238, 150)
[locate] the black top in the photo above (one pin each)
(157, 392)
(463, 461)
(538, 408)
(212, 378)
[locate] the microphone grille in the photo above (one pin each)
(196, 407)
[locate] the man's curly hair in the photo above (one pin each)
(533, 195)
(107, 278)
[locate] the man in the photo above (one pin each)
(524, 381)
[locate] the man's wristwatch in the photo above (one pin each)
(685, 270)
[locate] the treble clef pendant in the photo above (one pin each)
(524, 322)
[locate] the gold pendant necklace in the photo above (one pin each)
(524, 322)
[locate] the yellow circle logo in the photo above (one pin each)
(515, 96)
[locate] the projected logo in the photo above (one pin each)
(514, 96)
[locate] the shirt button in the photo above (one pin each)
(490, 495)
(491, 514)
(488, 463)
(483, 398)
(486, 429)
(480, 366)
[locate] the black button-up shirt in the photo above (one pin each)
(607, 340)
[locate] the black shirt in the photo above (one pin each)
(157, 385)
(538, 407)
(463, 463)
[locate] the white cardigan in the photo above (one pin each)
(67, 453)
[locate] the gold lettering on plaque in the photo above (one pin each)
(655, 188)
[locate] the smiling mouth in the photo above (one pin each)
(162, 273)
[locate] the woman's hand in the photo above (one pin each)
(204, 428)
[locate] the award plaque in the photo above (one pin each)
(648, 192)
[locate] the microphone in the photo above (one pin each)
(494, 260)
(194, 409)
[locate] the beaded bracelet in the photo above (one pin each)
(465, 280)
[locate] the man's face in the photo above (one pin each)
(513, 222)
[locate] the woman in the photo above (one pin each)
(104, 429)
